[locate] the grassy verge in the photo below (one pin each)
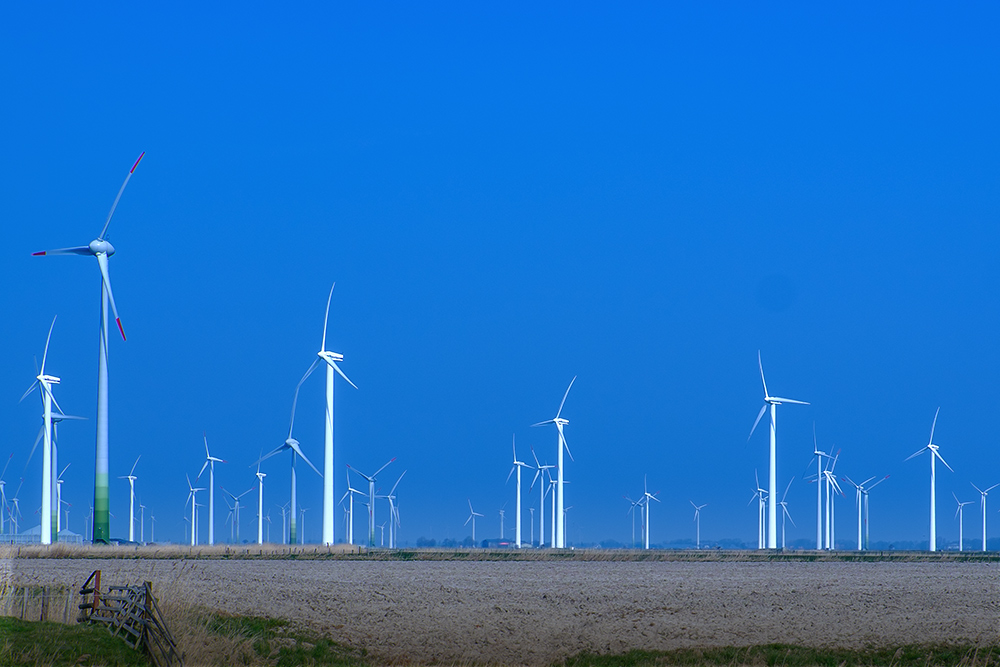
(27, 643)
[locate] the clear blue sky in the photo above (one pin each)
(508, 196)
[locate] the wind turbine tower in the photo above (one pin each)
(210, 464)
(101, 249)
(933, 449)
(772, 505)
(131, 498)
(560, 423)
(982, 493)
(517, 518)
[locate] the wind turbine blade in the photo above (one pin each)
(30, 389)
(564, 396)
(41, 432)
(760, 364)
(326, 318)
(757, 421)
(7, 465)
(513, 468)
(102, 262)
(45, 354)
(786, 489)
(933, 425)
(537, 464)
(535, 479)
(295, 448)
(916, 453)
(566, 445)
(276, 450)
(986, 491)
(205, 465)
(547, 421)
(120, 191)
(396, 484)
(134, 465)
(337, 368)
(383, 467)
(941, 458)
(79, 250)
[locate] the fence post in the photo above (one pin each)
(44, 614)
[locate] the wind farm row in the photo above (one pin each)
(551, 511)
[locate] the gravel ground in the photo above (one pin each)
(535, 612)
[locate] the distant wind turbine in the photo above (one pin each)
(648, 496)
(772, 506)
(260, 504)
(371, 498)
(101, 249)
(784, 512)
(934, 455)
(193, 499)
(543, 489)
(210, 462)
(959, 514)
(560, 422)
(697, 523)
(982, 493)
(517, 465)
(862, 502)
(472, 517)
(131, 498)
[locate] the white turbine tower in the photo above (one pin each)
(648, 496)
(934, 455)
(543, 489)
(3, 494)
(982, 493)
(371, 499)
(819, 454)
(697, 523)
(772, 506)
(760, 496)
(960, 515)
(472, 517)
(832, 488)
(102, 250)
(350, 511)
(193, 499)
(560, 423)
(862, 502)
(517, 519)
(631, 510)
(393, 513)
(44, 383)
(236, 509)
(210, 462)
(260, 504)
(331, 359)
(784, 512)
(131, 498)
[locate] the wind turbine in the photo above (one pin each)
(3, 494)
(131, 498)
(210, 464)
(832, 488)
(260, 504)
(772, 506)
(293, 445)
(960, 515)
(371, 499)
(472, 517)
(648, 496)
(44, 383)
(193, 499)
(302, 514)
(543, 490)
(759, 495)
(142, 523)
(934, 454)
(517, 465)
(15, 509)
(236, 510)
(393, 513)
(697, 523)
(560, 423)
(862, 500)
(631, 510)
(502, 512)
(102, 250)
(982, 493)
(331, 359)
(785, 513)
(819, 454)
(350, 512)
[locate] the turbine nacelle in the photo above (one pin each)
(100, 246)
(330, 357)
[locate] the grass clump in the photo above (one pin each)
(275, 642)
(30, 643)
(782, 655)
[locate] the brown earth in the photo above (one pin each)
(534, 612)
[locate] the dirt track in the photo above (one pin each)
(535, 612)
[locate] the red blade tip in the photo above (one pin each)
(136, 163)
(119, 322)
(38, 254)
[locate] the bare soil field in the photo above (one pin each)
(535, 612)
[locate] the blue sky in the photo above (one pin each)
(508, 196)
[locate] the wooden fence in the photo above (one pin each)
(133, 613)
(38, 603)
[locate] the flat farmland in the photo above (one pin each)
(536, 611)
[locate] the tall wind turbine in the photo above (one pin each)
(210, 464)
(260, 504)
(772, 505)
(982, 492)
(101, 249)
(959, 514)
(293, 445)
(472, 517)
(818, 454)
(832, 488)
(131, 498)
(934, 455)
(350, 510)
(3, 494)
(371, 499)
(393, 513)
(648, 496)
(560, 423)
(760, 495)
(44, 383)
(543, 488)
(697, 523)
(784, 512)
(331, 359)
(862, 502)
(193, 499)
(517, 465)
